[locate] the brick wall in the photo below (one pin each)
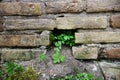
(26, 24)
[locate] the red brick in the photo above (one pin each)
(115, 21)
(111, 53)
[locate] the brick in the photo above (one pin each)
(30, 24)
(20, 8)
(111, 71)
(113, 53)
(44, 38)
(85, 52)
(115, 21)
(17, 40)
(97, 37)
(73, 6)
(23, 40)
(21, 54)
(82, 22)
(103, 5)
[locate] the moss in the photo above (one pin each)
(87, 41)
(36, 10)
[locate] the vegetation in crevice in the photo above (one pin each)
(42, 57)
(77, 76)
(59, 38)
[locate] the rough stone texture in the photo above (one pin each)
(85, 52)
(65, 6)
(111, 71)
(97, 37)
(82, 22)
(20, 8)
(111, 53)
(1, 25)
(30, 24)
(48, 68)
(21, 54)
(44, 38)
(115, 21)
(24, 40)
(103, 5)
(18, 40)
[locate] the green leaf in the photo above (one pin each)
(62, 58)
(56, 49)
(42, 57)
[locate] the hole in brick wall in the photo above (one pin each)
(61, 16)
(61, 34)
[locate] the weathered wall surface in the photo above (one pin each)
(25, 27)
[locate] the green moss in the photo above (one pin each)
(87, 41)
(36, 10)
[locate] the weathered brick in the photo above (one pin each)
(44, 38)
(18, 40)
(85, 52)
(103, 5)
(82, 22)
(111, 53)
(21, 54)
(97, 37)
(20, 8)
(30, 24)
(73, 6)
(23, 40)
(115, 21)
(111, 71)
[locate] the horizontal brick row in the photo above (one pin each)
(78, 52)
(60, 23)
(91, 22)
(65, 6)
(97, 37)
(20, 8)
(25, 40)
(21, 54)
(85, 52)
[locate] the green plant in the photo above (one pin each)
(11, 68)
(59, 39)
(63, 37)
(28, 74)
(78, 76)
(12, 71)
(57, 57)
(42, 57)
